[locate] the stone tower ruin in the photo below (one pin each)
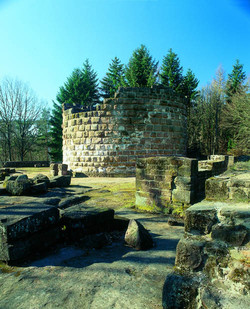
(136, 123)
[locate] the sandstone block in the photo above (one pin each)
(234, 235)
(200, 219)
(189, 253)
(179, 292)
(80, 220)
(216, 189)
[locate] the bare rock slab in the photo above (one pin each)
(137, 236)
(20, 222)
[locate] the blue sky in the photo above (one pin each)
(42, 41)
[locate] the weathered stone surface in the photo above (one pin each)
(29, 246)
(41, 178)
(54, 169)
(60, 181)
(189, 253)
(216, 189)
(233, 235)
(108, 139)
(184, 196)
(18, 226)
(162, 183)
(80, 220)
(120, 223)
(80, 277)
(39, 188)
(200, 218)
(72, 200)
(235, 188)
(175, 221)
(209, 299)
(179, 292)
(137, 236)
(19, 186)
(12, 177)
(218, 259)
(62, 169)
(21, 220)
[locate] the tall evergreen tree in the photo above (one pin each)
(141, 69)
(171, 72)
(113, 79)
(235, 83)
(189, 87)
(80, 88)
(55, 143)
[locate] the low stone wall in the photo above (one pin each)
(26, 164)
(137, 122)
(162, 183)
(236, 188)
(212, 261)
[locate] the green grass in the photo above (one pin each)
(113, 195)
(241, 166)
(32, 171)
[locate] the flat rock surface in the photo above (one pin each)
(115, 276)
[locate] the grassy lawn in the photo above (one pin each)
(33, 171)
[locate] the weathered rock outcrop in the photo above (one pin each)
(235, 188)
(214, 252)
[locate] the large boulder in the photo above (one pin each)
(20, 186)
(40, 178)
(137, 236)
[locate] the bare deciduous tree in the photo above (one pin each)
(19, 112)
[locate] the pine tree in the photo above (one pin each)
(171, 72)
(55, 143)
(189, 87)
(113, 79)
(235, 82)
(81, 88)
(141, 69)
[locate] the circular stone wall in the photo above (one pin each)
(137, 122)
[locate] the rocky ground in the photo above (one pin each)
(114, 276)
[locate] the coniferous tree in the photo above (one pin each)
(113, 79)
(235, 83)
(171, 72)
(141, 69)
(81, 88)
(55, 144)
(189, 87)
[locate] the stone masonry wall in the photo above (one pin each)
(137, 122)
(165, 183)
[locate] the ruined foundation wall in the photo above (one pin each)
(137, 122)
(166, 183)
